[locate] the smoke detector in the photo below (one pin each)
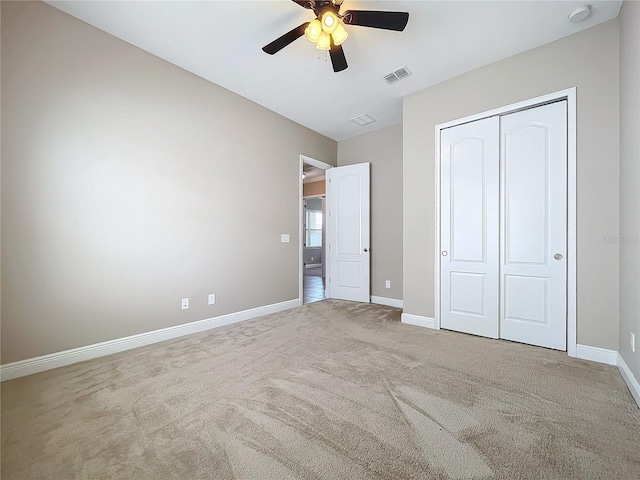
(580, 14)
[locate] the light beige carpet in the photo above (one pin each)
(332, 390)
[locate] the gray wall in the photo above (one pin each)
(124, 189)
(588, 61)
(383, 149)
(312, 255)
(630, 183)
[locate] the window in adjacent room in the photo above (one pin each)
(314, 229)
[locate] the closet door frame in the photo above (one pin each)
(570, 96)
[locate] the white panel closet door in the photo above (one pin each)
(534, 226)
(469, 213)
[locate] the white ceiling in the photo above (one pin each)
(221, 41)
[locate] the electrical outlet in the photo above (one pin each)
(633, 342)
(212, 298)
(185, 303)
(387, 284)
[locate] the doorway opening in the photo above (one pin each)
(313, 245)
(312, 230)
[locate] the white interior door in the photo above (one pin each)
(469, 212)
(348, 275)
(534, 226)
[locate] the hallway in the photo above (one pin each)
(313, 289)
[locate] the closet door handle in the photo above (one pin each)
(558, 256)
(445, 253)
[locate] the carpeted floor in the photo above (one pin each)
(331, 390)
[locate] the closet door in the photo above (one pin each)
(469, 212)
(533, 189)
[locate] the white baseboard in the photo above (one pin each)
(611, 357)
(68, 357)
(629, 379)
(596, 354)
(418, 320)
(389, 302)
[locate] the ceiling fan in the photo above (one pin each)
(327, 32)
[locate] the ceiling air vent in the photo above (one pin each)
(397, 74)
(363, 120)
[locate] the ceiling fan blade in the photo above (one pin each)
(306, 3)
(376, 19)
(289, 37)
(338, 60)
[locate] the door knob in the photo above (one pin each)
(366, 250)
(444, 253)
(558, 256)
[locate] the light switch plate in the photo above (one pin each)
(284, 238)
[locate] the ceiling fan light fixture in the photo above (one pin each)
(327, 29)
(339, 36)
(313, 31)
(329, 22)
(324, 42)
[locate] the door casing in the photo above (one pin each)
(570, 96)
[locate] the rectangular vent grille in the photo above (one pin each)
(363, 120)
(397, 74)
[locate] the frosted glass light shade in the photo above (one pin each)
(313, 31)
(340, 35)
(324, 42)
(329, 22)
